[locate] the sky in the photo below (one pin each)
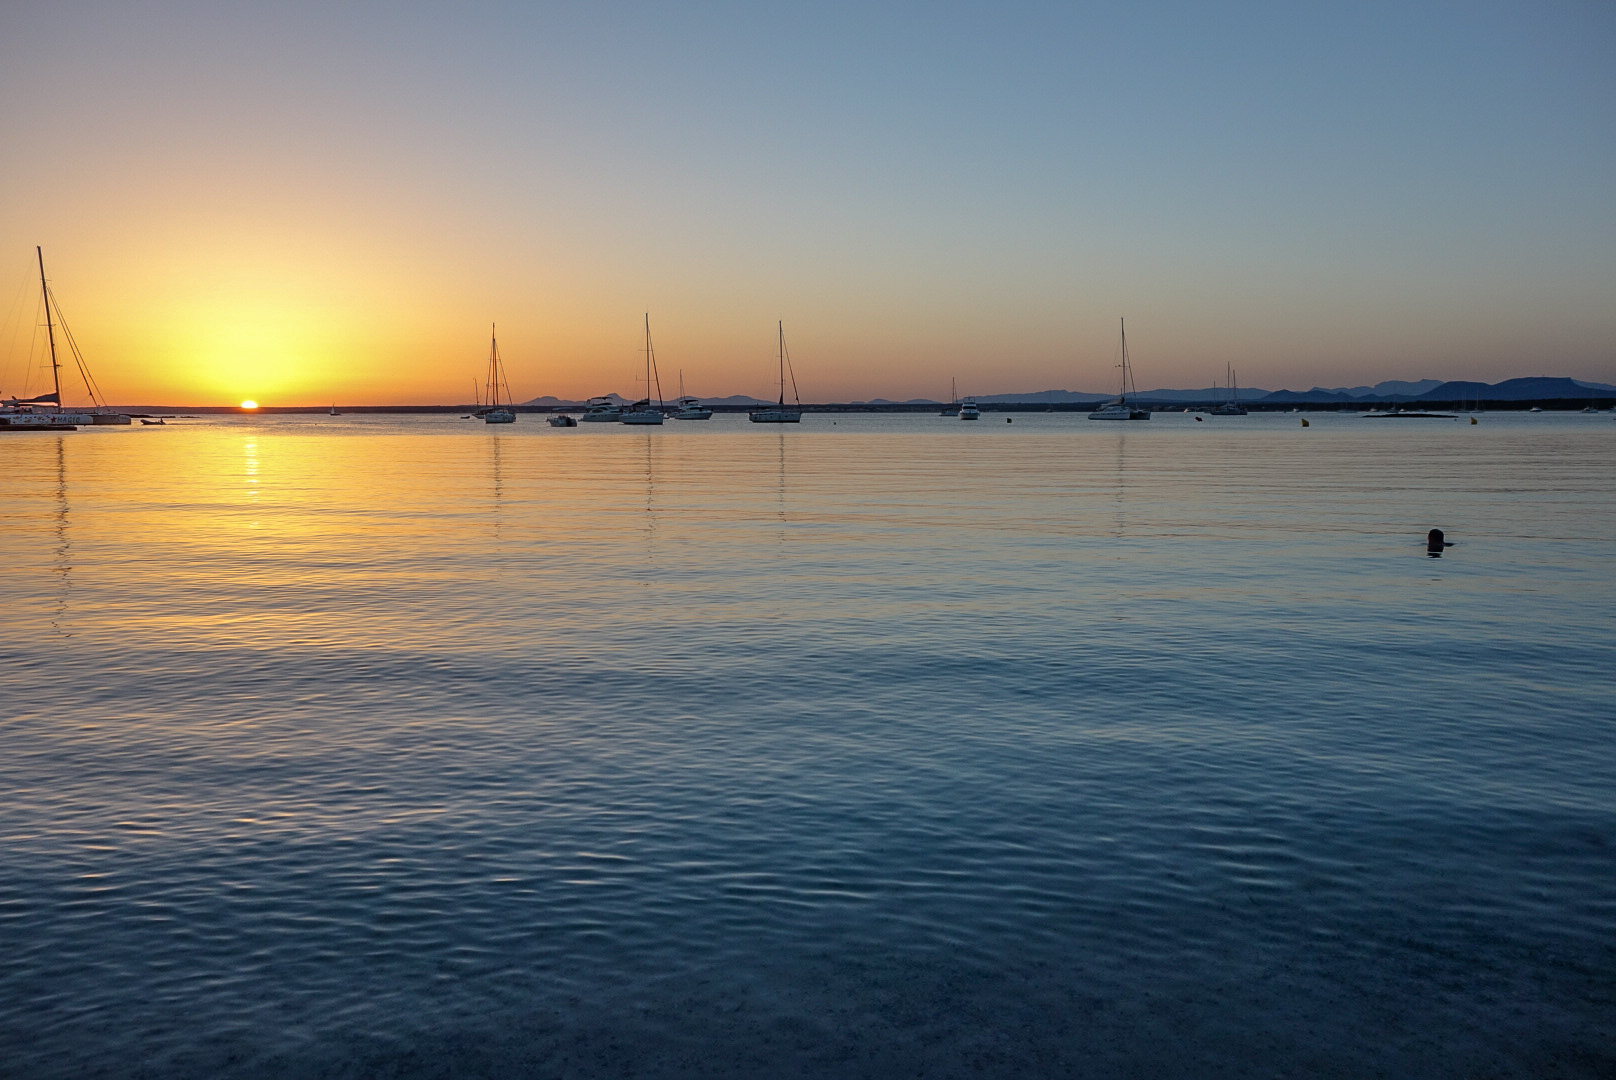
(313, 203)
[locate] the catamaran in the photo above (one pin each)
(19, 414)
(1120, 409)
(778, 413)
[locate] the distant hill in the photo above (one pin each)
(1389, 388)
(1538, 388)
(1039, 397)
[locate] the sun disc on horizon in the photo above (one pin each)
(249, 404)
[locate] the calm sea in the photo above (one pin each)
(879, 747)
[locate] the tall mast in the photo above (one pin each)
(50, 331)
(782, 363)
(493, 362)
(1123, 395)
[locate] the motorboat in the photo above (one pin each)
(602, 410)
(690, 408)
(780, 413)
(496, 413)
(969, 411)
(562, 420)
(1120, 409)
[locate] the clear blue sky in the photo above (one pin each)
(1318, 193)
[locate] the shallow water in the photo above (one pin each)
(885, 746)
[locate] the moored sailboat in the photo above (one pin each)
(1120, 409)
(779, 413)
(21, 415)
(641, 412)
(1232, 407)
(495, 413)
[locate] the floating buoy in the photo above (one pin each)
(1008, 420)
(1472, 419)
(1306, 424)
(1197, 419)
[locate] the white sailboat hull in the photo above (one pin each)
(1117, 411)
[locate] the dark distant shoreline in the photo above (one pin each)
(1546, 404)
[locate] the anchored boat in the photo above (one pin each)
(1120, 409)
(779, 413)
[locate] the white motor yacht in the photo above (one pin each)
(969, 411)
(602, 410)
(692, 409)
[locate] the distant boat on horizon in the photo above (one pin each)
(1120, 409)
(1232, 407)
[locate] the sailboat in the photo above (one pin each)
(1120, 409)
(641, 412)
(953, 406)
(20, 414)
(778, 413)
(334, 411)
(495, 413)
(1232, 407)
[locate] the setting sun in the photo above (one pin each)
(249, 404)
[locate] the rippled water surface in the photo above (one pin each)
(882, 747)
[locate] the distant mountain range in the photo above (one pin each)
(1538, 388)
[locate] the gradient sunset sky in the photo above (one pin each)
(307, 203)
